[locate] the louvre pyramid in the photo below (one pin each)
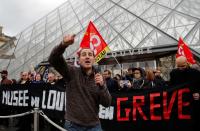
(124, 24)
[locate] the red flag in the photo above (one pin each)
(92, 39)
(183, 50)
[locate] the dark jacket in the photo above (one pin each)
(159, 82)
(112, 85)
(37, 82)
(188, 76)
(140, 83)
(6, 81)
(83, 96)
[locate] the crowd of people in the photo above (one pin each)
(28, 78)
(138, 78)
(86, 89)
(134, 78)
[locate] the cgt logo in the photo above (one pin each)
(94, 43)
(181, 51)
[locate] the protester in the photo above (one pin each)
(4, 78)
(24, 78)
(51, 78)
(129, 75)
(150, 78)
(85, 90)
(111, 84)
(38, 78)
(25, 121)
(31, 76)
(139, 80)
(4, 81)
(184, 75)
(124, 85)
(159, 81)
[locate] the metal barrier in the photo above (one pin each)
(36, 113)
(36, 120)
(51, 122)
(18, 115)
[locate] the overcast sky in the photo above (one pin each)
(16, 15)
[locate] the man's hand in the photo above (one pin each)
(99, 79)
(68, 40)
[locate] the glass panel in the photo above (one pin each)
(169, 3)
(178, 25)
(155, 14)
(136, 32)
(190, 7)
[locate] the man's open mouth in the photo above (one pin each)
(87, 62)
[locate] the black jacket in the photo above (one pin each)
(112, 85)
(188, 76)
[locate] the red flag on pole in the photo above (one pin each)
(92, 39)
(183, 50)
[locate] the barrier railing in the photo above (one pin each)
(36, 112)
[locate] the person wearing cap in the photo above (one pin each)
(4, 81)
(85, 90)
(4, 76)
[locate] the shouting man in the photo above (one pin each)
(85, 88)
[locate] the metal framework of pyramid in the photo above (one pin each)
(124, 24)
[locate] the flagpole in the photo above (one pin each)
(118, 62)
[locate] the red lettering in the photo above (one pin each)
(167, 110)
(137, 106)
(153, 106)
(119, 118)
(168, 102)
(181, 104)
